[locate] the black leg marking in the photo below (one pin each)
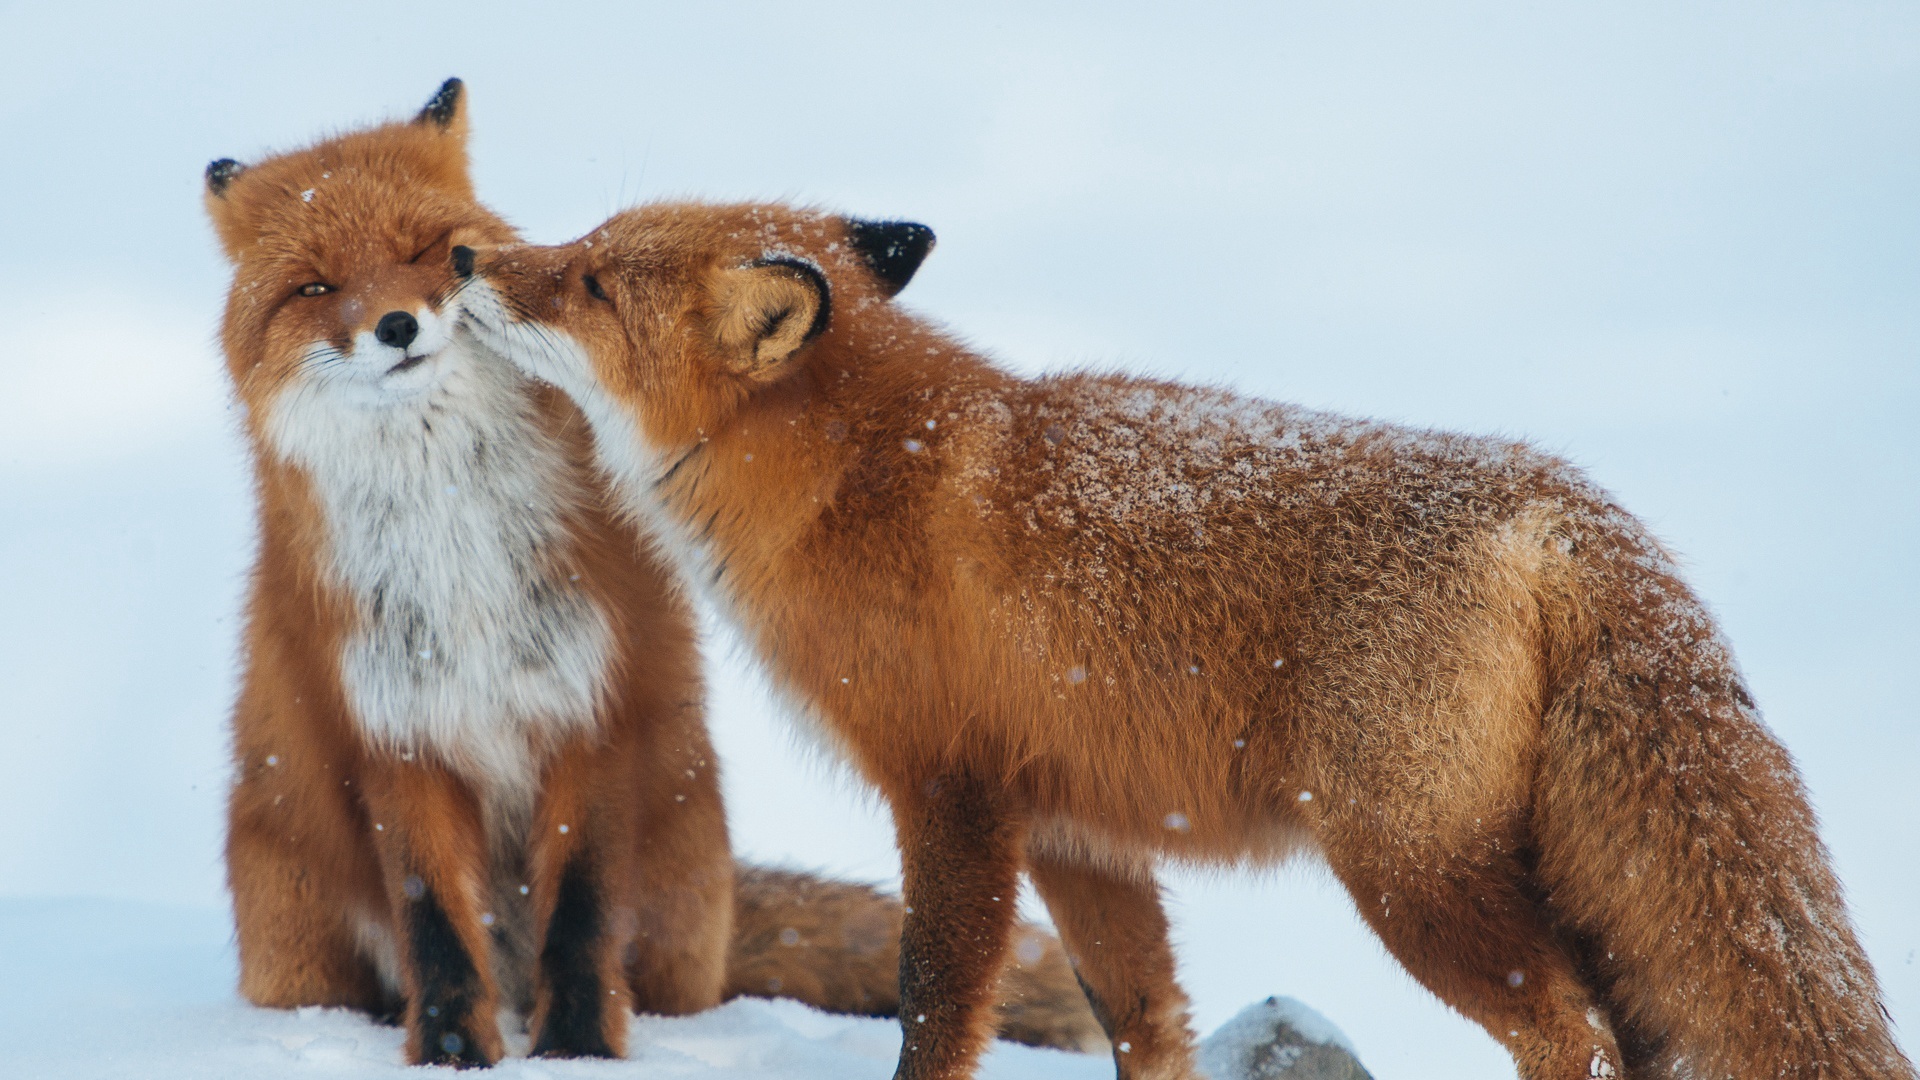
(1098, 1006)
(570, 965)
(449, 987)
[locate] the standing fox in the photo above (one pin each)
(471, 764)
(1078, 624)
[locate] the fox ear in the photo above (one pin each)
(220, 174)
(446, 109)
(767, 310)
(893, 250)
(441, 152)
(229, 220)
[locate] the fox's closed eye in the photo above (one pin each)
(315, 288)
(423, 252)
(593, 287)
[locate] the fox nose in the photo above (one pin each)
(397, 328)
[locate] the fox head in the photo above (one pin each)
(342, 275)
(675, 315)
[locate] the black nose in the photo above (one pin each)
(397, 328)
(463, 260)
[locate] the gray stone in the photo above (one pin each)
(1279, 1039)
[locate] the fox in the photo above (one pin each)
(471, 765)
(1080, 625)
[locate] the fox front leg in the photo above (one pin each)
(960, 854)
(432, 858)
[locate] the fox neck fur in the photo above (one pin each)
(445, 517)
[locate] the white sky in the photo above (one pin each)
(1678, 242)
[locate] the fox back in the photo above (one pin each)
(1078, 624)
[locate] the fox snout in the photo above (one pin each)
(497, 263)
(510, 281)
(397, 328)
(486, 265)
(401, 339)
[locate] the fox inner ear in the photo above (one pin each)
(221, 173)
(767, 311)
(443, 108)
(893, 250)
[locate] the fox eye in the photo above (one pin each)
(593, 287)
(315, 288)
(425, 251)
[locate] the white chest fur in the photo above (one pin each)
(445, 517)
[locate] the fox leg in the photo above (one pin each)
(582, 1003)
(960, 855)
(432, 853)
(300, 858)
(292, 903)
(1116, 933)
(633, 878)
(683, 877)
(579, 857)
(1469, 930)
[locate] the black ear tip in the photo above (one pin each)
(444, 103)
(893, 250)
(221, 173)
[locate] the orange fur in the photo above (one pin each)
(1080, 624)
(837, 946)
(399, 869)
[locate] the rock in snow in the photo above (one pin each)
(1279, 1039)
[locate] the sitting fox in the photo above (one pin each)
(1075, 625)
(471, 763)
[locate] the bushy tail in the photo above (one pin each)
(1677, 843)
(836, 946)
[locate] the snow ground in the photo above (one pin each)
(103, 990)
(1672, 240)
(117, 989)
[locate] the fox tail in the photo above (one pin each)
(1677, 842)
(836, 946)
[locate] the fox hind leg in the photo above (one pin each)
(293, 922)
(1470, 930)
(684, 906)
(1115, 932)
(677, 959)
(304, 876)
